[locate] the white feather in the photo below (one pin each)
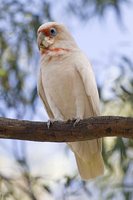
(68, 90)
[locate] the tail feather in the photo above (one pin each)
(91, 168)
(89, 158)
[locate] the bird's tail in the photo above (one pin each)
(88, 157)
(90, 168)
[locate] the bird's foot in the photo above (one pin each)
(76, 121)
(49, 123)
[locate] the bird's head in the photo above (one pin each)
(53, 36)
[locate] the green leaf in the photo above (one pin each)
(3, 72)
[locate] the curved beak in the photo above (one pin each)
(40, 39)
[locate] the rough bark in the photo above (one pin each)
(87, 129)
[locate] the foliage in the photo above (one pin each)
(117, 152)
(18, 53)
(88, 8)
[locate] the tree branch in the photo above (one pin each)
(87, 129)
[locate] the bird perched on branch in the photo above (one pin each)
(68, 90)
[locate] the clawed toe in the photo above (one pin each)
(76, 121)
(49, 123)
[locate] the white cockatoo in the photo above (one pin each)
(68, 90)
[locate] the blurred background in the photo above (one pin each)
(47, 171)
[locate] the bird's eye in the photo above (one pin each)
(53, 31)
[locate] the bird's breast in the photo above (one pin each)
(63, 87)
